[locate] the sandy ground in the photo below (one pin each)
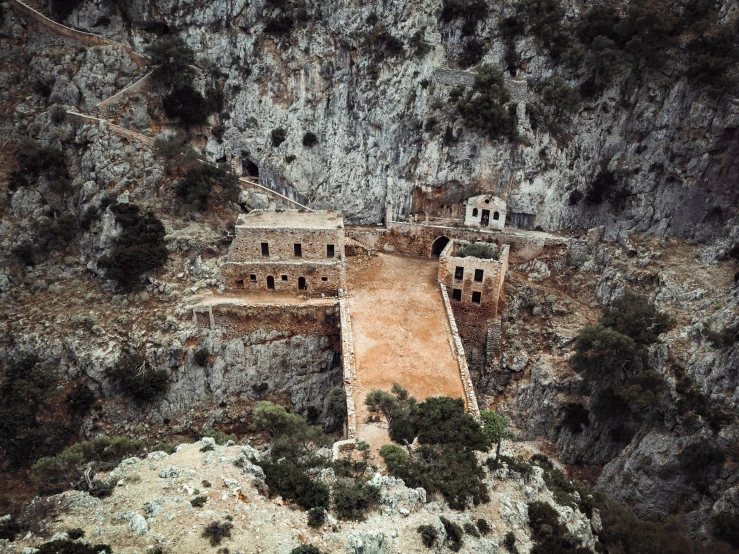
(400, 335)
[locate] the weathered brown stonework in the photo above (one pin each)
(290, 251)
(492, 273)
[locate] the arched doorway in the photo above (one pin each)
(270, 283)
(438, 245)
(301, 283)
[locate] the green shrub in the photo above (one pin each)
(199, 501)
(279, 26)
(103, 453)
(483, 527)
(35, 160)
(215, 532)
(75, 533)
(137, 380)
(24, 253)
(278, 136)
(174, 58)
(316, 517)
(187, 105)
(55, 234)
(725, 527)
(429, 534)
(348, 468)
(353, 500)
(624, 532)
(454, 534)
(57, 114)
(219, 436)
(721, 339)
(79, 400)
(470, 11)
(483, 107)
(543, 520)
(31, 420)
(451, 470)
(137, 250)
(509, 542)
(175, 152)
(419, 46)
(635, 316)
(602, 354)
(70, 547)
(481, 250)
(334, 410)
(305, 549)
(100, 489)
(289, 433)
(288, 479)
(472, 53)
(471, 530)
(562, 98)
(544, 18)
(442, 420)
(393, 455)
(700, 462)
(62, 8)
(310, 139)
(517, 465)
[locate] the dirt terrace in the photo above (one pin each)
(400, 334)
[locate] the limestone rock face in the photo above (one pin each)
(367, 542)
(369, 117)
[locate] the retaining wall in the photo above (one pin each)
(110, 105)
(424, 235)
(458, 349)
(350, 370)
(132, 135)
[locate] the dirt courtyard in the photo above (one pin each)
(400, 334)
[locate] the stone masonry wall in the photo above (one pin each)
(489, 287)
(238, 276)
(74, 34)
(248, 241)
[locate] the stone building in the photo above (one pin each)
(485, 211)
(289, 251)
(474, 280)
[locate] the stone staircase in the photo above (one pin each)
(492, 342)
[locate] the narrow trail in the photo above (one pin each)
(29, 8)
(34, 10)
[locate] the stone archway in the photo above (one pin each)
(438, 246)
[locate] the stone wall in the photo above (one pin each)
(286, 275)
(349, 367)
(247, 244)
(458, 349)
(421, 236)
(79, 36)
(490, 287)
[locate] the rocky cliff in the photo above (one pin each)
(668, 142)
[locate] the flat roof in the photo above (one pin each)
(291, 219)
